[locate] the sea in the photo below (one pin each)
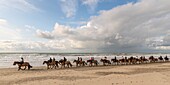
(36, 59)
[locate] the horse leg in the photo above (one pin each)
(47, 66)
(19, 67)
(76, 64)
(29, 67)
(55, 66)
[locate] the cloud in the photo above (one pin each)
(22, 5)
(92, 4)
(133, 27)
(44, 34)
(17, 45)
(3, 22)
(69, 7)
(8, 32)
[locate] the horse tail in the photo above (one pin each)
(29, 66)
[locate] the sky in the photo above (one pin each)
(85, 26)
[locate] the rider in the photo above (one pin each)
(92, 58)
(22, 60)
(115, 58)
(65, 59)
(105, 58)
(53, 60)
(50, 60)
(80, 59)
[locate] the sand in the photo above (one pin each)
(144, 74)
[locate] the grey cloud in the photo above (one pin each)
(44, 34)
(132, 27)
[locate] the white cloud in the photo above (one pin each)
(3, 22)
(69, 7)
(22, 5)
(8, 32)
(44, 34)
(30, 28)
(137, 27)
(132, 27)
(92, 4)
(17, 45)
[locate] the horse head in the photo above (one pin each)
(89, 60)
(74, 61)
(14, 63)
(45, 62)
(101, 60)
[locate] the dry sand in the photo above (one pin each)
(146, 74)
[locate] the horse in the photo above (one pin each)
(161, 59)
(166, 58)
(91, 62)
(143, 59)
(115, 61)
(152, 59)
(49, 64)
(25, 64)
(105, 61)
(81, 63)
(123, 61)
(63, 63)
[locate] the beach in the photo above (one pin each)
(141, 74)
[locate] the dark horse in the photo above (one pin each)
(51, 65)
(105, 62)
(115, 61)
(25, 64)
(80, 63)
(152, 59)
(166, 58)
(161, 59)
(63, 63)
(91, 62)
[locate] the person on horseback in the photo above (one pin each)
(115, 58)
(53, 60)
(22, 60)
(65, 59)
(92, 59)
(105, 58)
(125, 58)
(80, 59)
(50, 60)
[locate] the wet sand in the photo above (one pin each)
(144, 74)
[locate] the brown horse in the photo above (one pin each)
(123, 61)
(152, 59)
(105, 62)
(166, 58)
(80, 63)
(91, 62)
(51, 65)
(115, 61)
(161, 59)
(63, 63)
(143, 59)
(25, 64)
